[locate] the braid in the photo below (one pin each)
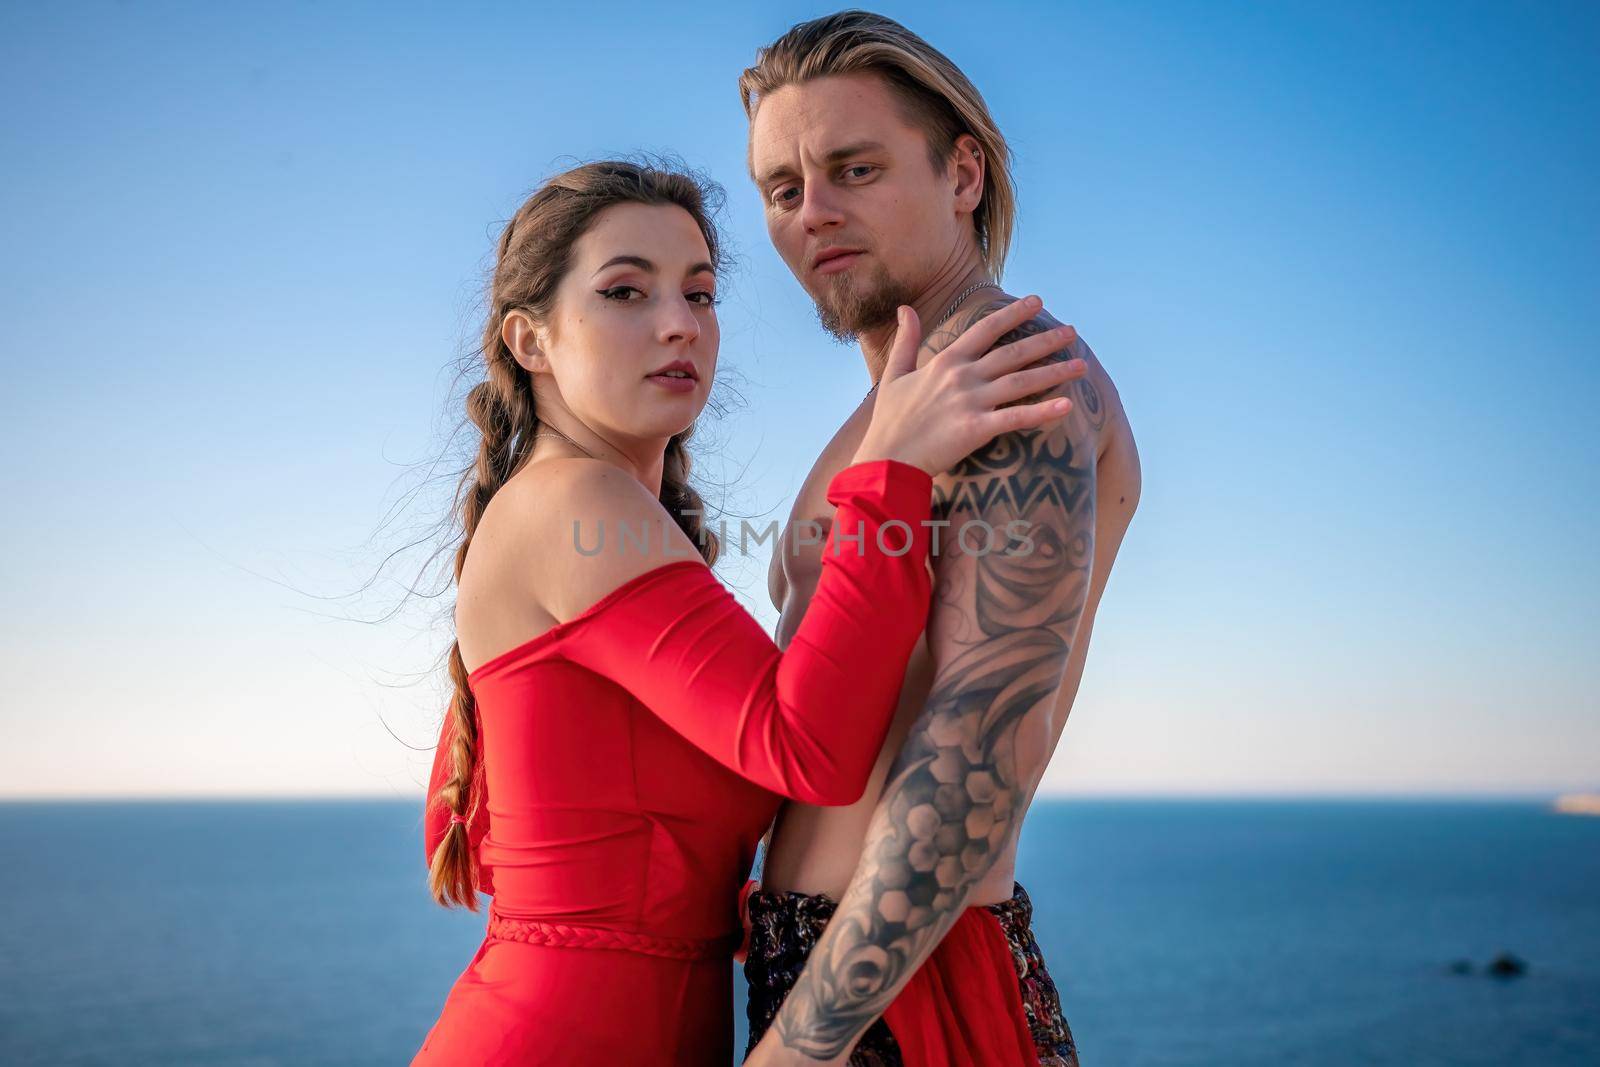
(502, 408)
(453, 872)
(681, 500)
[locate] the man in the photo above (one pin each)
(886, 182)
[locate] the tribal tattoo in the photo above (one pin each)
(1001, 631)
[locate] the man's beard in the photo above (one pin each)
(849, 307)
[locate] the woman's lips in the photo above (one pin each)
(676, 385)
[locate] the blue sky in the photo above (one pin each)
(1342, 262)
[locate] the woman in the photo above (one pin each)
(622, 732)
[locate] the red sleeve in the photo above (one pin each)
(807, 722)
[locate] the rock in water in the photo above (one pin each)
(1507, 965)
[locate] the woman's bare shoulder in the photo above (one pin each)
(567, 531)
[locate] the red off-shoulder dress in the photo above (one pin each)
(631, 759)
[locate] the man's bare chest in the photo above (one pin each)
(798, 561)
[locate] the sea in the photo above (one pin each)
(1181, 933)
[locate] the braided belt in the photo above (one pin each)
(567, 935)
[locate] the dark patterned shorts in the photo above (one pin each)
(785, 927)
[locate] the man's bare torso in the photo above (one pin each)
(814, 849)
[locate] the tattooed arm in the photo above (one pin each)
(1003, 624)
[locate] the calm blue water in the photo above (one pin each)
(1182, 934)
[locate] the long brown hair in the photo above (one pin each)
(534, 254)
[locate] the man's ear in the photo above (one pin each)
(970, 167)
(526, 339)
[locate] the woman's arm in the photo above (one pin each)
(807, 722)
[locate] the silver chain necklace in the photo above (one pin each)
(954, 306)
(558, 434)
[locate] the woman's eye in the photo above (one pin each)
(704, 299)
(620, 292)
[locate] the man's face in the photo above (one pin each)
(853, 203)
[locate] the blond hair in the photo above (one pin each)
(939, 99)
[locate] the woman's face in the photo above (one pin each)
(631, 342)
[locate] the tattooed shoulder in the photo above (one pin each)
(1029, 472)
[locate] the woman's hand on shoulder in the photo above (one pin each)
(974, 389)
